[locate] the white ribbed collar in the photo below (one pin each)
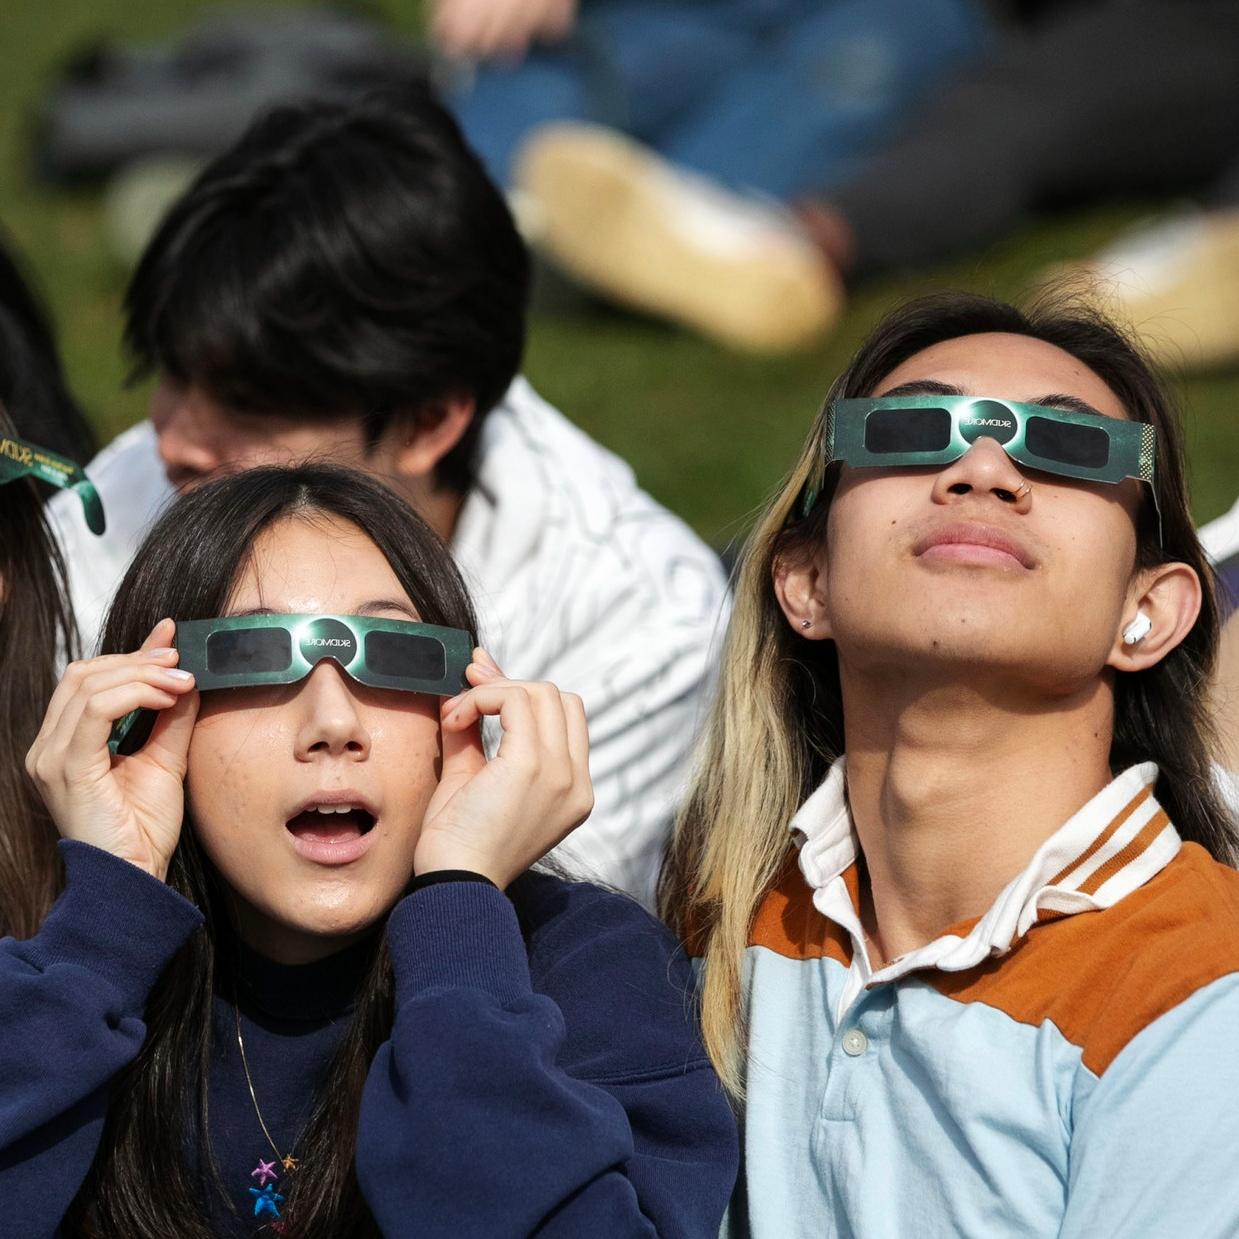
(1056, 880)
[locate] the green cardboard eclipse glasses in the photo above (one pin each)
(246, 651)
(19, 459)
(919, 432)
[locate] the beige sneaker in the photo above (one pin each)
(627, 223)
(1175, 284)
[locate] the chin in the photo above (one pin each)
(339, 923)
(333, 919)
(952, 644)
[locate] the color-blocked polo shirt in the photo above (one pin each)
(1065, 1065)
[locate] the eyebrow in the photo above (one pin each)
(374, 607)
(924, 387)
(1055, 400)
(387, 604)
(1059, 400)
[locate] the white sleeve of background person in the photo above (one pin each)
(134, 489)
(1226, 784)
(1153, 1151)
(1220, 537)
(582, 579)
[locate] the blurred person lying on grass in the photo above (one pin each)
(1073, 102)
(743, 102)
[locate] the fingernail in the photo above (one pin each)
(177, 674)
(452, 702)
(162, 652)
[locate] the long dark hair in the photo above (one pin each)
(34, 620)
(777, 723)
(186, 568)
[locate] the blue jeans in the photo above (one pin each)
(775, 97)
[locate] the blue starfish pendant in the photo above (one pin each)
(266, 1201)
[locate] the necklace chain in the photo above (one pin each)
(289, 1162)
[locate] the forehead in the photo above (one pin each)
(1012, 367)
(313, 563)
(206, 417)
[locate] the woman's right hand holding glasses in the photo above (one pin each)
(130, 806)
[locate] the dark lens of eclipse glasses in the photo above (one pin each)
(1067, 442)
(888, 431)
(400, 654)
(242, 651)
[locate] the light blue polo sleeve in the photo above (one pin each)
(1154, 1146)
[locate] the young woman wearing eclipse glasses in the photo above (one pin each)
(301, 980)
(952, 857)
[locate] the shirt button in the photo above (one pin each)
(855, 1043)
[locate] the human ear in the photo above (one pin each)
(422, 441)
(799, 585)
(1169, 596)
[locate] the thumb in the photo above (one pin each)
(168, 746)
(161, 635)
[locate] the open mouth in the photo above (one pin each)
(331, 823)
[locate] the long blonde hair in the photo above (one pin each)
(777, 721)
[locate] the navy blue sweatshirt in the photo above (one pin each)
(544, 1074)
(292, 1020)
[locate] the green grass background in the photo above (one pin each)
(708, 432)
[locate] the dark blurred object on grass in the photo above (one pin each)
(191, 97)
(1102, 99)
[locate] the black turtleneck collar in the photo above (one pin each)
(314, 992)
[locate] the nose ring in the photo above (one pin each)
(1023, 489)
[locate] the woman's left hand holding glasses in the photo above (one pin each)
(498, 817)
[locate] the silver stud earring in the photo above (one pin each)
(806, 623)
(1138, 629)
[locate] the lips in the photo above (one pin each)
(972, 542)
(332, 828)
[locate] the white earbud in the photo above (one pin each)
(1138, 629)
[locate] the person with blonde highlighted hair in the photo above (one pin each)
(953, 860)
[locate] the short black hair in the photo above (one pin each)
(342, 259)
